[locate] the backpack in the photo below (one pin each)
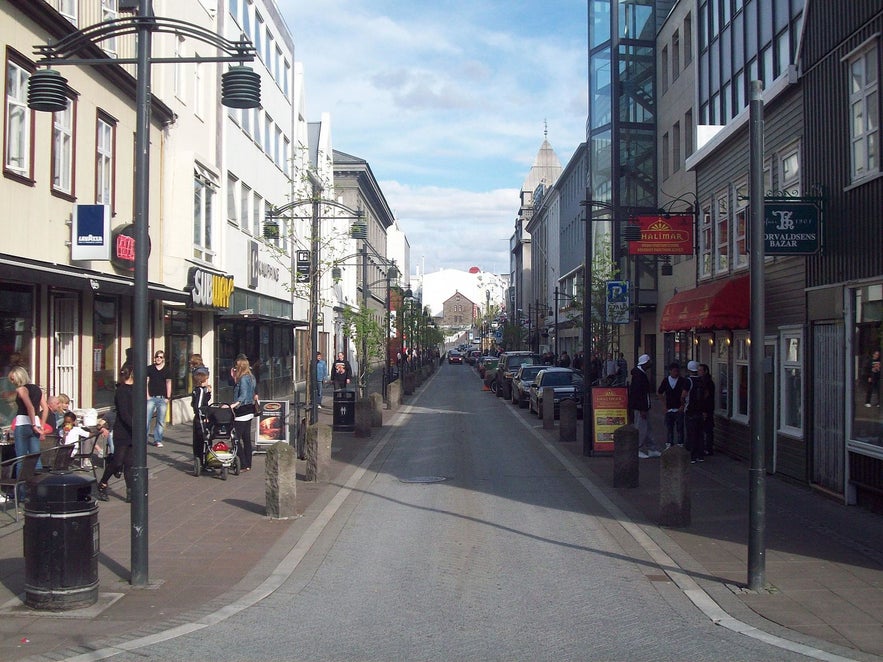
(696, 396)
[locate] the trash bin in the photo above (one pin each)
(344, 418)
(61, 542)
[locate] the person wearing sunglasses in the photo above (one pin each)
(159, 392)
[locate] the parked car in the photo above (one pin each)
(566, 383)
(455, 357)
(486, 363)
(521, 383)
(509, 364)
(472, 356)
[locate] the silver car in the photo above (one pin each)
(521, 383)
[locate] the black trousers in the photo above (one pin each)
(122, 459)
(695, 436)
(243, 428)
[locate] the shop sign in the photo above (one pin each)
(609, 412)
(791, 228)
(209, 290)
(90, 231)
(257, 268)
(271, 422)
(122, 254)
(664, 235)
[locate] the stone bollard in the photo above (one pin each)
(318, 453)
(394, 394)
(363, 419)
(280, 481)
(548, 408)
(376, 401)
(408, 383)
(567, 421)
(625, 456)
(674, 487)
(418, 377)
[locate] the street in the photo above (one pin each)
(465, 538)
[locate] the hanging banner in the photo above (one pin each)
(609, 412)
(664, 235)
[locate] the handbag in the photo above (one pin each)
(244, 410)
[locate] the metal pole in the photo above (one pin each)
(757, 468)
(588, 417)
(363, 359)
(312, 374)
(139, 519)
(556, 322)
(388, 324)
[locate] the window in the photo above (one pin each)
(19, 137)
(246, 120)
(721, 367)
(864, 104)
(245, 207)
(267, 144)
(676, 147)
(268, 53)
(688, 133)
(109, 12)
(791, 391)
(722, 233)
(63, 150)
(675, 55)
(740, 239)
(663, 70)
(789, 175)
(688, 39)
(258, 36)
(246, 18)
(68, 9)
(232, 202)
(285, 80)
(204, 189)
(868, 330)
(233, 7)
(258, 214)
(180, 69)
(105, 148)
(741, 379)
(705, 242)
(665, 156)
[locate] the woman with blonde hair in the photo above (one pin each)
(243, 409)
(30, 417)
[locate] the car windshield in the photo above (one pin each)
(527, 374)
(517, 361)
(558, 379)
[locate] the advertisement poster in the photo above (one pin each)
(610, 411)
(271, 423)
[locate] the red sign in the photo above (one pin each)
(661, 235)
(122, 254)
(609, 411)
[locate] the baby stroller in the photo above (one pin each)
(219, 442)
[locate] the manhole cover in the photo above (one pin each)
(423, 479)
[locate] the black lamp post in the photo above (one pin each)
(240, 88)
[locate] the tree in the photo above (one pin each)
(366, 331)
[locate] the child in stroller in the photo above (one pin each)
(219, 442)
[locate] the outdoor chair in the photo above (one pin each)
(57, 458)
(86, 457)
(26, 470)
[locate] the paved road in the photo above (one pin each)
(463, 538)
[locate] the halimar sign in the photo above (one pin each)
(791, 228)
(209, 290)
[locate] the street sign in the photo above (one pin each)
(618, 302)
(302, 269)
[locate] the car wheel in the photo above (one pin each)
(521, 403)
(498, 390)
(514, 398)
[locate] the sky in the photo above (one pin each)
(447, 101)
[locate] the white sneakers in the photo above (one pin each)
(650, 453)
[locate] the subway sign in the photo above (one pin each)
(209, 290)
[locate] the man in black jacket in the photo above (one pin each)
(671, 388)
(639, 403)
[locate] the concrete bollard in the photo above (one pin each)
(318, 453)
(625, 456)
(548, 408)
(567, 421)
(363, 419)
(280, 481)
(408, 383)
(394, 394)
(418, 377)
(376, 401)
(674, 487)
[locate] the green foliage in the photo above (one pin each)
(366, 332)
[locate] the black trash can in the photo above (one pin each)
(61, 542)
(344, 418)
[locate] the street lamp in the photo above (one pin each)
(558, 295)
(240, 88)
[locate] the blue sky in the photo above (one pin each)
(447, 102)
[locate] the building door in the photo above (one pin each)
(65, 350)
(828, 437)
(771, 397)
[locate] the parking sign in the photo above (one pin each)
(618, 302)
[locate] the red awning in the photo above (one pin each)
(723, 304)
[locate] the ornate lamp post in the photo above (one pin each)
(240, 88)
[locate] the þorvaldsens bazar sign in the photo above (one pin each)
(664, 235)
(791, 228)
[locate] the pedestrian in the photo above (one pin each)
(872, 372)
(670, 390)
(321, 376)
(639, 403)
(195, 362)
(243, 409)
(564, 361)
(199, 398)
(622, 370)
(30, 415)
(121, 461)
(578, 361)
(707, 408)
(341, 372)
(694, 418)
(159, 392)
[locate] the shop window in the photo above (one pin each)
(741, 379)
(866, 412)
(705, 242)
(16, 322)
(722, 233)
(232, 201)
(864, 104)
(19, 121)
(105, 350)
(791, 378)
(179, 332)
(740, 238)
(789, 171)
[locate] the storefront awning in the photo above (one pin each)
(723, 304)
